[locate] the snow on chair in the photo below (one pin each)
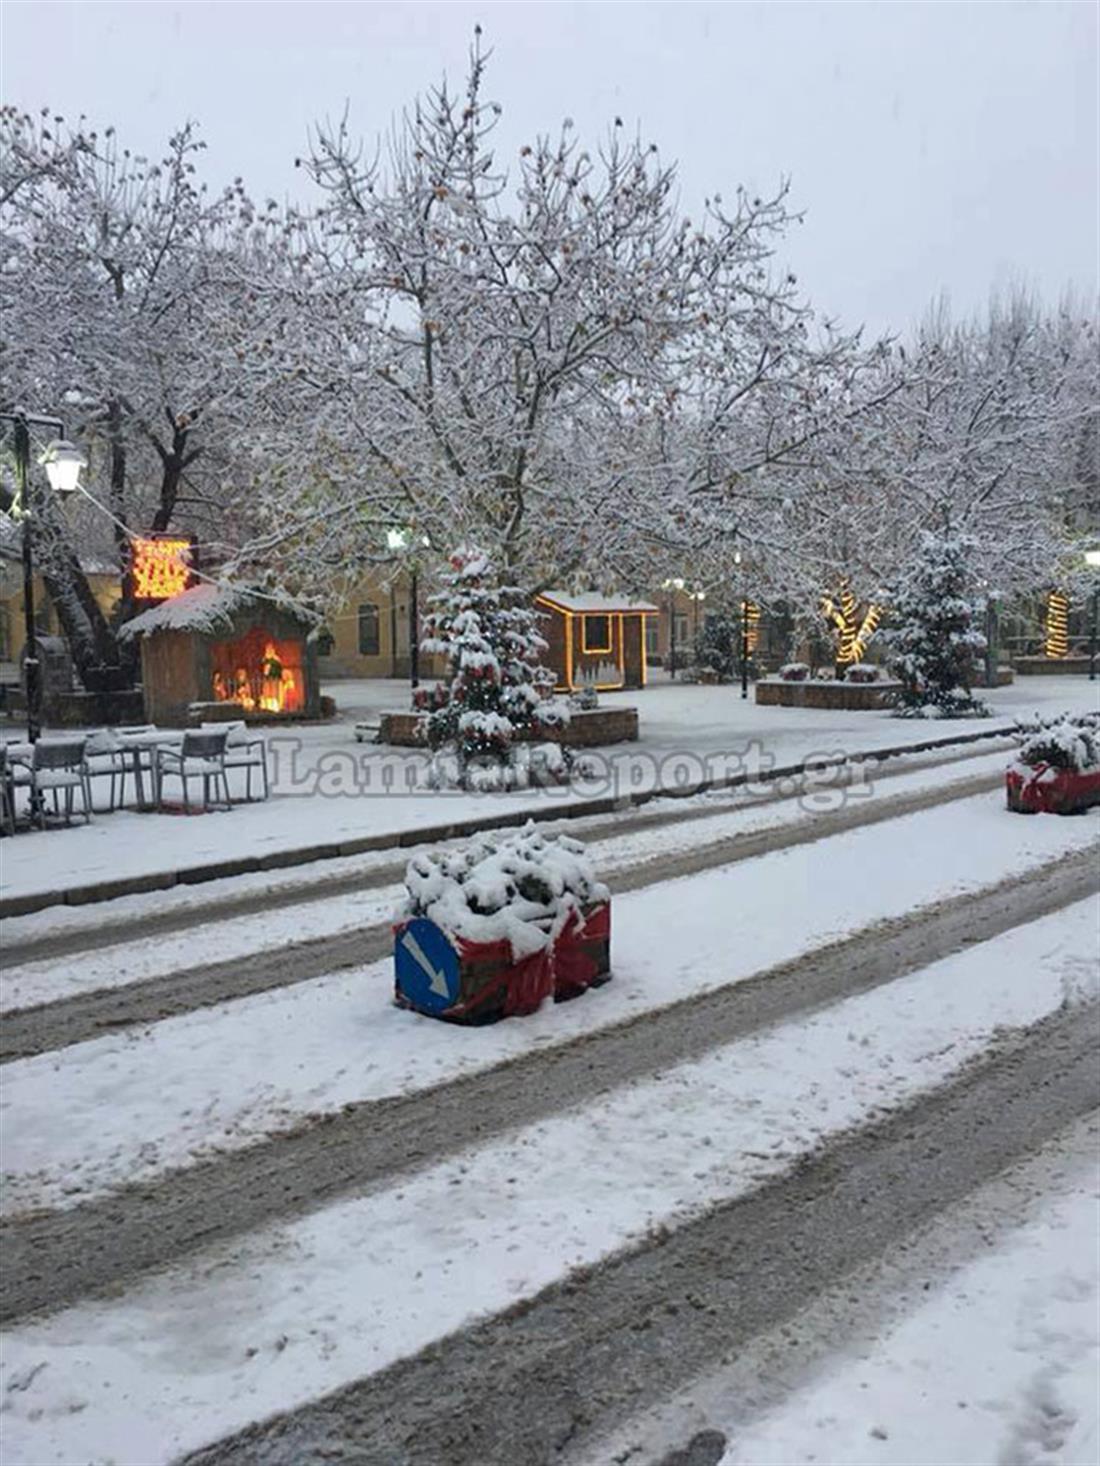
(58, 766)
(106, 760)
(244, 752)
(201, 755)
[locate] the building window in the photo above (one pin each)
(368, 631)
(325, 642)
(5, 634)
(681, 630)
(597, 634)
(652, 637)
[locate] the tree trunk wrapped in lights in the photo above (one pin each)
(853, 625)
(1056, 641)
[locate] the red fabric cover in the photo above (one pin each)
(1061, 791)
(528, 981)
(574, 965)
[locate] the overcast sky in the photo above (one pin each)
(934, 147)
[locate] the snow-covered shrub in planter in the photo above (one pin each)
(794, 672)
(491, 929)
(1057, 767)
(861, 673)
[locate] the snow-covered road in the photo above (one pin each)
(240, 1216)
(312, 1305)
(127, 1107)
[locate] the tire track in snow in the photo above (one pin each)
(609, 1341)
(26, 1032)
(56, 1257)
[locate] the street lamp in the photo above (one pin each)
(672, 586)
(62, 462)
(1092, 559)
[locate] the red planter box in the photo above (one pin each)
(489, 985)
(1042, 789)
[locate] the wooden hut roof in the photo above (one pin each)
(589, 603)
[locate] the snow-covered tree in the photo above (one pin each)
(553, 361)
(495, 687)
(116, 288)
(934, 646)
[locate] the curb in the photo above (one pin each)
(432, 834)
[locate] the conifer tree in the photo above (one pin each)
(934, 645)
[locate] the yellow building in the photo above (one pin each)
(103, 581)
(371, 635)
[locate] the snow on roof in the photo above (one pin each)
(204, 608)
(589, 603)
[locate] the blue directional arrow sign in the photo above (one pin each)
(427, 966)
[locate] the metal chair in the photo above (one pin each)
(106, 760)
(58, 766)
(201, 755)
(244, 752)
(7, 794)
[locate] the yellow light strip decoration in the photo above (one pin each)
(1057, 625)
(854, 631)
(599, 651)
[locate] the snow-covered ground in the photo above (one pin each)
(128, 1106)
(328, 788)
(299, 1309)
(1001, 1363)
(977, 1346)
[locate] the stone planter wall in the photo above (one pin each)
(1051, 666)
(843, 696)
(91, 709)
(592, 728)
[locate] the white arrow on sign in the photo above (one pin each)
(435, 974)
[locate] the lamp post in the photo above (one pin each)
(992, 635)
(399, 540)
(672, 586)
(696, 597)
(62, 463)
(1092, 558)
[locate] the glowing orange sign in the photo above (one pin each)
(160, 568)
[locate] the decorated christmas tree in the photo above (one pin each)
(495, 686)
(933, 643)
